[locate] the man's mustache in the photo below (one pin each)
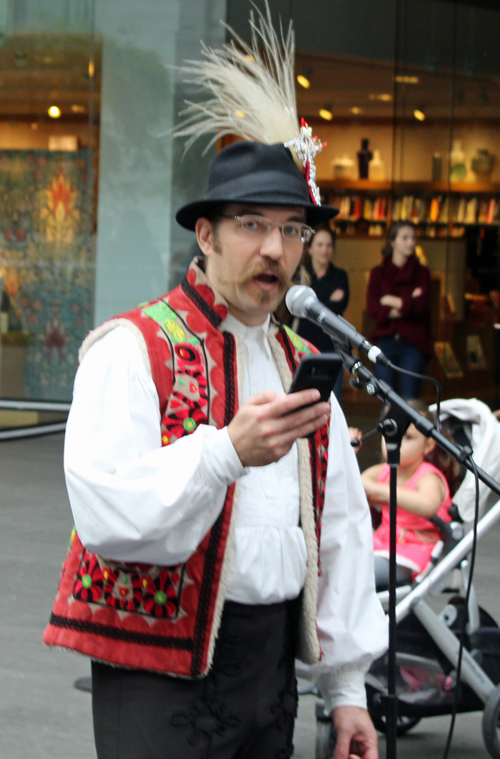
(266, 267)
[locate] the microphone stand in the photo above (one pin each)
(398, 418)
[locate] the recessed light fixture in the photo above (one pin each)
(249, 57)
(54, 112)
(325, 114)
(91, 68)
(385, 97)
(355, 110)
(406, 79)
(303, 81)
(76, 108)
(240, 114)
(419, 114)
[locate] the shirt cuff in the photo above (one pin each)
(342, 687)
(220, 465)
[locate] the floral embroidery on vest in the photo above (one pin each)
(165, 618)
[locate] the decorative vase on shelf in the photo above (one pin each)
(364, 157)
(377, 167)
(437, 167)
(343, 167)
(482, 163)
(458, 169)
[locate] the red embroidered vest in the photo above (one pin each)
(166, 618)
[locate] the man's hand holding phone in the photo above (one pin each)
(267, 425)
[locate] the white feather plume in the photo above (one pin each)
(251, 87)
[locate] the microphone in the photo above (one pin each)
(302, 301)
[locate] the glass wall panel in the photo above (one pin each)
(418, 82)
(447, 177)
(143, 177)
(89, 191)
(87, 98)
(49, 91)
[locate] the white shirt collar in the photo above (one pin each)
(231, 324)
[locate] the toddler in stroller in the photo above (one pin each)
(425, 475)
(427, 643)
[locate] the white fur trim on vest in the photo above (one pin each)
(221, 593)
(308, 648)
(106, 327)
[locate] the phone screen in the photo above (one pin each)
(317, 371)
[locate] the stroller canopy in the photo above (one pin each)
(483, 431)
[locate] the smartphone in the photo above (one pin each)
(318, 371)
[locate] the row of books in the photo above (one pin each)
(351, 228)
(354, 207)
(439, 209)
(443, 210)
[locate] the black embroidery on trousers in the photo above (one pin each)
(205, 717)
(285, 708)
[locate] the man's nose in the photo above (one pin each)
(272, 245)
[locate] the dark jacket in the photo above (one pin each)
(414, 323)
(323, 287)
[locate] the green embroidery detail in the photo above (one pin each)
(297, 342)
(71, 538)
(189, 424)
(160, 597)
(86, 581)
(162, 314)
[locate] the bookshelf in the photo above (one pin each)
(447, 216)
(439, 209)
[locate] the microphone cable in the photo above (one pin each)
(424, 378)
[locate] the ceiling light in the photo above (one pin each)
(78, 108)
(327, 115)
(406, 79)
(385, 97)
(419, 114)
(91, 68)
(249, 57)
(240, 114)
(54, 112)
(355, 110)
(303, 81)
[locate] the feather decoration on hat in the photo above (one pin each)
(252, 92)
(251, 85)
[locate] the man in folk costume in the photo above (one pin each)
(222, 527)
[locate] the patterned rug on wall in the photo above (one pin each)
(47, 261)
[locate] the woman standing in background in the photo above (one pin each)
(398, 299)
(331, 286)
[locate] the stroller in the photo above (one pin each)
(427, 642)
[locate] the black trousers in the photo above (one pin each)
(244, 709)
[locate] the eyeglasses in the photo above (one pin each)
(255, 225)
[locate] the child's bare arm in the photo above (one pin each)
(376, 492)
(424, 501)
(427, 497)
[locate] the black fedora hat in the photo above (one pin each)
(257, 174)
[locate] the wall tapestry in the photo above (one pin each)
(47, 262)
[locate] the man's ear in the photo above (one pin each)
(204, 235)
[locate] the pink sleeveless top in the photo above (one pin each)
(416, 536)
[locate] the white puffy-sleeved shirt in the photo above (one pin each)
(134, 500)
